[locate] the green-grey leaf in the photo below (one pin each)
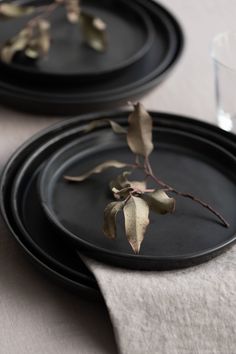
(136, 213)
(98, 169)
(117, 128)
(139, 137)
(160, 202)
(110, 212)
(94, 31)
(8, 11)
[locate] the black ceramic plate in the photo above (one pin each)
(30, 219)
(38, 233)
(62, 132)
(187, 162)
(130, 84)
(130, 36)
(60, 263)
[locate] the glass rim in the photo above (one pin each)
(213, 42)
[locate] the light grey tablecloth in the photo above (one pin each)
(37, 316)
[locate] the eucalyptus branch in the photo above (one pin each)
(134, 198)
(46, 11)
(34, 39)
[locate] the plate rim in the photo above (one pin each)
(118, 93)
(98, 252)
(149, 28)
(14, 201)
(183, 121)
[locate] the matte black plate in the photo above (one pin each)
(38, 232)
(189, 163)
(130, 36)
(60, 130)
(131, 84)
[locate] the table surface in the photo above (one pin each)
(40, 317)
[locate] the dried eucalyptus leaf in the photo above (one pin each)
(43, 25)
(31, 53)
(39, 45)
(139, 135)
(73, 17)
(121, 181)
(44, 37)
(8, 11)
(73, 10)
(14, 45)
(7, 54)
(98, 169)
(93, 31)
(122, 193)
(139, 185)
(160, 202)
(136, 212)
(110, 212)
(44, 44)
(117, 128)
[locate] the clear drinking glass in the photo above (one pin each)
(224, 58)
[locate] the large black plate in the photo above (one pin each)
(131, 84)
(63, 128)
(130, 36)
(28, 214)
(187, 237)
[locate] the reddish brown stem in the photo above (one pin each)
(168, 188)
(46, 11)
(204, 204)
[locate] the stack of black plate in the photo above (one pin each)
(54, 221)
(144, 41)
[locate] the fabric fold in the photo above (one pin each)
(172, 312)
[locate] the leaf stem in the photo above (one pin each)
(204, 204)
(47, 10)
(149, 172)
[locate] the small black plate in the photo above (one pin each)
(62, 131)
(132, 83)
(130, 36)
(189, 163)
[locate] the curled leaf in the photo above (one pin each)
(39, 44)
(139, 137)
(160, 202)
(110, 212)
(98, 169)
(121, 181)
(15, 44)
(33, 41)
(136, 213)
(94, 31)
(122, 193)
(117, 128)
(8, 11)
(73, 10)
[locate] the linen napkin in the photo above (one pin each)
(190, 311)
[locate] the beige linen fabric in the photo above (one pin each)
(178, 312)
(37, 316)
